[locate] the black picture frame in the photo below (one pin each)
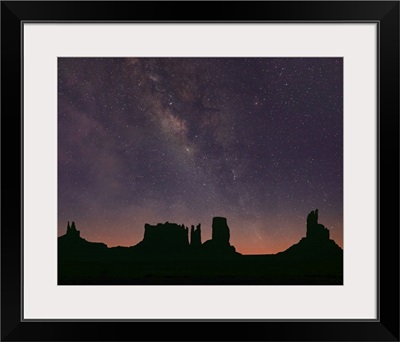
(385, 328)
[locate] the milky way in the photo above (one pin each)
(148, 140)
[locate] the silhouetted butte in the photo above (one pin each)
(316, 244)
(219, 244)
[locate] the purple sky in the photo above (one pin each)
(148, 140)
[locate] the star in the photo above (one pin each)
(147, 140)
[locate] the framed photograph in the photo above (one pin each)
(213, 164)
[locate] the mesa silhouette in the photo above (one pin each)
(172, 254)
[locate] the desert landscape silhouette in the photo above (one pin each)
(173, 254)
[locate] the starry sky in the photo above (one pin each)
(148, 140)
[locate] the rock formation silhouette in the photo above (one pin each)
(166, 256)
(167, 233)
(195, 236)
(171, 239)
(316, 244)
(72, 232)
(72, 246)
(219, 244)
(316, 231)
(220, 230)
(164, 238)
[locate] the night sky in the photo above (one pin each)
(148, 140)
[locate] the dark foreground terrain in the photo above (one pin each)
(243, 270)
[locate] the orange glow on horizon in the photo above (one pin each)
(244, 242)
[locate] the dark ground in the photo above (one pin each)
(240, 270)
